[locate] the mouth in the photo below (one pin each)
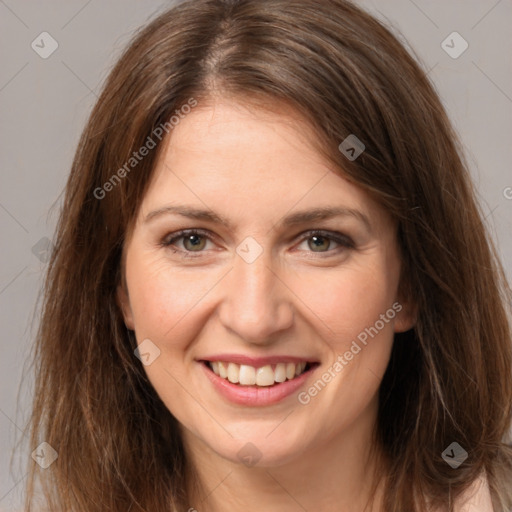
(268, 375)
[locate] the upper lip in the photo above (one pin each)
(257, 362)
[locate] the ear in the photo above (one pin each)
(405, 305)
(123, 301)
(406, 315)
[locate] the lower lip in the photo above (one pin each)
(255, 395)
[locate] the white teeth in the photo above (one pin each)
(246, 375)
(265, 376)
(280, 372)
(233, 373)
(223, 369)
(290, 371)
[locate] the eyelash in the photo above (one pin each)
(344, 241)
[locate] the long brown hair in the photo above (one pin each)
(449, 378)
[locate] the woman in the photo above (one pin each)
(272, 287)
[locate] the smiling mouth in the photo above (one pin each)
(265, 376)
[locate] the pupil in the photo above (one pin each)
(194, 240)
(319, 238)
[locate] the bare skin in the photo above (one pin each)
(302, 296)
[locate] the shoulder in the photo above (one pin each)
(476, 499)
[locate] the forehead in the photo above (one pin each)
(230, 129)
(249, 162)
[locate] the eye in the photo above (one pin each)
(320, 241)
(194, 241)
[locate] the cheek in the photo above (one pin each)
(350, 301)
(163, 300)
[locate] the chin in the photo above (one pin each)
(261, 447)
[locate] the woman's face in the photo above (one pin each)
(265, 290)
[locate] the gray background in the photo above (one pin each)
(44, 104)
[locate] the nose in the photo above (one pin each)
(257, 305)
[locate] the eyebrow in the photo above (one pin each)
(297, 218)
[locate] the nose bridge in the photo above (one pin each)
(256, 303)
